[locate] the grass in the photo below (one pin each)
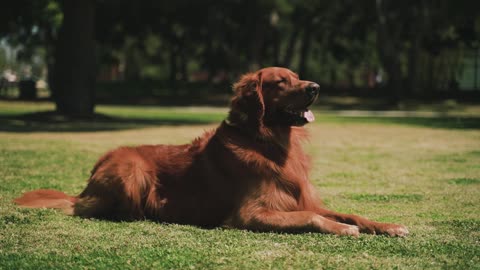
(423, 175)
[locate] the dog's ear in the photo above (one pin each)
(248, 106)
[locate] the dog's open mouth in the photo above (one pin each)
(298, 117)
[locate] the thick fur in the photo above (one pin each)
(249, 173)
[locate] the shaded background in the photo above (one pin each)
(83, 52)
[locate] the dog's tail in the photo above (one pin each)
(47, 198)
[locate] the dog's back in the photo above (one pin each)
(171, 183)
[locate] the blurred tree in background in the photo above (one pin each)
(404, 48)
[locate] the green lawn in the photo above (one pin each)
(419, 171)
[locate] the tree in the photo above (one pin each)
(428, 36)
(74, 69)
(389, 31)
(70, 55)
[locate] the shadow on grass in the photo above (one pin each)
(50, 121)
(440, 122)
(461, 122)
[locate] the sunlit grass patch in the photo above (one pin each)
(455, 157)
(464, 181)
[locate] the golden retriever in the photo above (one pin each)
(249, 173)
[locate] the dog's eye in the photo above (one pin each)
(283, 80)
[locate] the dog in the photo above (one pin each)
(250, 173)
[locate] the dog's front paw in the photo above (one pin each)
(396, 230)
(350, 230)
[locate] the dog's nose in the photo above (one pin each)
(312, 89)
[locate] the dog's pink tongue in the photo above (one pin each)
(309, 116)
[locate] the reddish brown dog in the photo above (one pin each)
(249, 173)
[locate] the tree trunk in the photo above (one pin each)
(388, 52)
(287, 61)
(431, 73)
(475, 69)
(256, 44)
(183, 63)
(418, 29)
(276, 46)
(413, 64)
(74, 69)
(173, 68)
(305, 49)
(132, 63)
(392, 67)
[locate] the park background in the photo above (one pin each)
(396, 136)
(190, 52)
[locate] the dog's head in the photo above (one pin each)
(273, 97)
